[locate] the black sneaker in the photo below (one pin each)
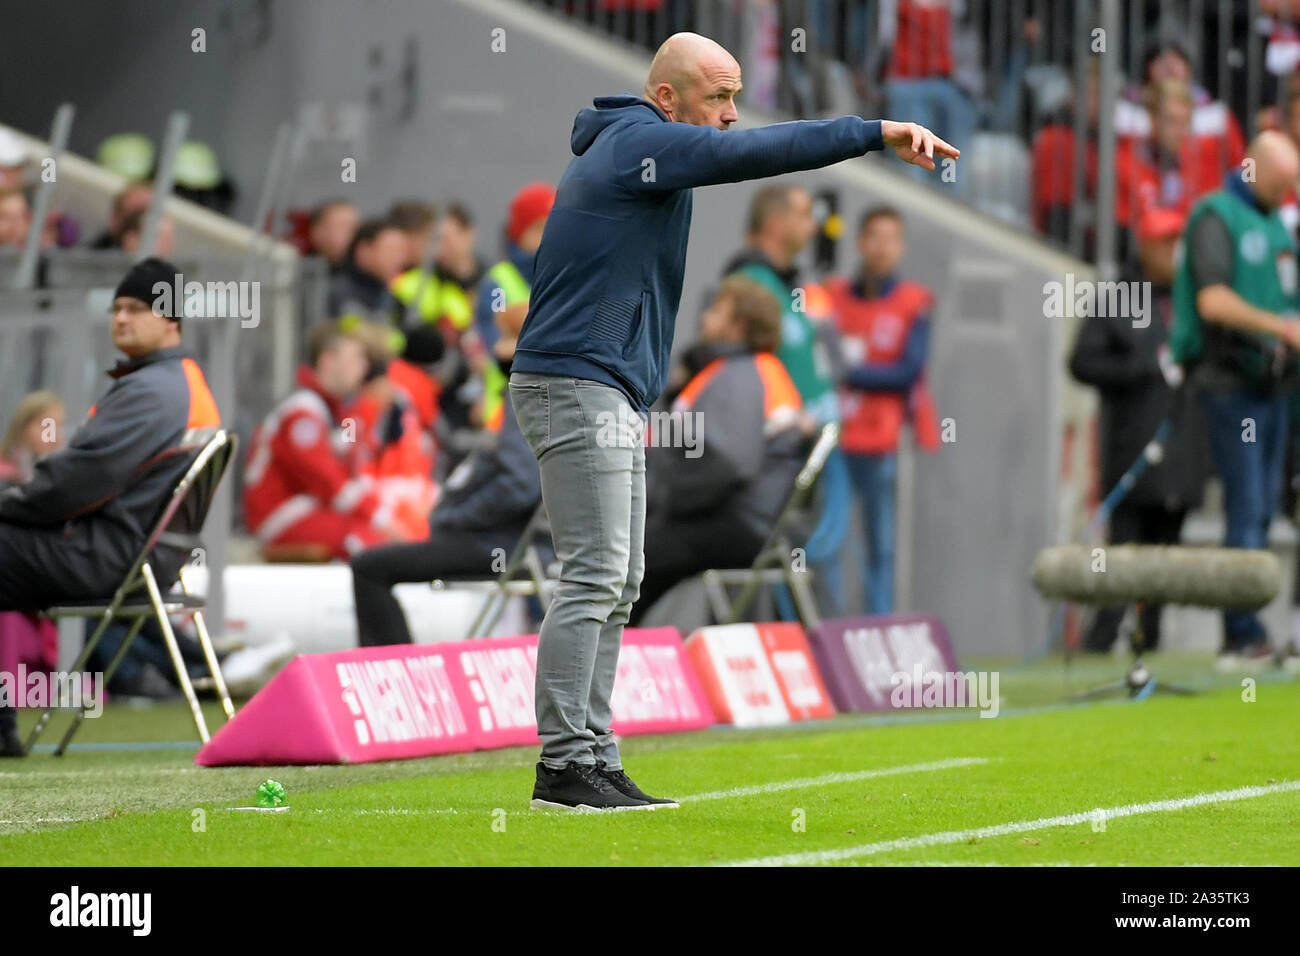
(11, 745)
(580, 787)
(623, 783)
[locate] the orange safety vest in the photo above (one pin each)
(779, 394)
(876, 330)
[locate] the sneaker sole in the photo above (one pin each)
(1244, 665)
(538, 804)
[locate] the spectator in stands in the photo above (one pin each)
(395, 410)
(132, 200)
(35, 431)
(73, 531)
(1128, 362)
(331, 229)
(714, 505)
(374, 260)
(505, 286)
(15, 217)
(133, 233)
(918, 58)
(13, 159)
(305, 490)
(200, 179)
(1236, 305)
(884, 324)
(1169, 169)
(1216, 139)
(417, 219)
(25, 639)
(457, 258)
(485, 504)
(443, 301)
(1055, 205)
(446, 299)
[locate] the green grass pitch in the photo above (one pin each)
(1208, 779)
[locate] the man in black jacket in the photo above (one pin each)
(1123, 358)
(73, 531)
(486, 502)
(715, 496)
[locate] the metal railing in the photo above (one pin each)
(1044, 93)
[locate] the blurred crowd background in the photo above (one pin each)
(1088, 130)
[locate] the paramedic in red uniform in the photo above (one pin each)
(304, 481)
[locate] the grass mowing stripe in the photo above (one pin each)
(1023, 826)
(831, 778)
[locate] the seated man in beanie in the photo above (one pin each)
(72, 532)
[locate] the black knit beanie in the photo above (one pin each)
(140, 281)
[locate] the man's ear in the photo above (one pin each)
(664, 97)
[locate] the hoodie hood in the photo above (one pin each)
(604, 112)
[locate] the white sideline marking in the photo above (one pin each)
(1024, 826)
(832, 778)
(106, 772)
(395, 811)
(25, 821)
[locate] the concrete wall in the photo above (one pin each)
(486, 122)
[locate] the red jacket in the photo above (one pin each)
(1141, 185)
(876, 330)
(309, 454)
(921, 46)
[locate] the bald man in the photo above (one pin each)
(593, 356)
(1236, 304)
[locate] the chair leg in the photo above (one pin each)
(804, 599)
(749, 589)
(113, 665)
(80, 665)
(538, 573)
(476, 627)
(210, 655)
(174, 651)
(717, 595)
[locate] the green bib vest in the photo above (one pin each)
(1263, 273)
(800, 352)
(515, 289)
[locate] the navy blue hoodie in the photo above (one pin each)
(608, 276)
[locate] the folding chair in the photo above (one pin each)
(178, 527)
(525, 557)
(773, 567)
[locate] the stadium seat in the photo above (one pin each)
(772, 567)
(140, 597)
(526, 574)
